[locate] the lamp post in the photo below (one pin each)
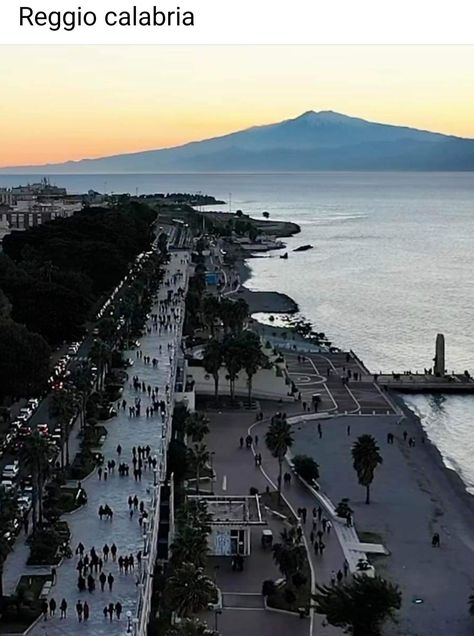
(129, 622)
(212, 471)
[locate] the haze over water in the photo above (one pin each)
(392, 266)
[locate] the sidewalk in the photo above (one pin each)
(236, 473)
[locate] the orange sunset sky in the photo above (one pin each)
(60, 103)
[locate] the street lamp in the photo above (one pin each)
(212, 471)
(129, 622)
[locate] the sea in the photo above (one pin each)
(391, 265)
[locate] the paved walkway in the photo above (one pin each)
(125, 532)
(236, 472)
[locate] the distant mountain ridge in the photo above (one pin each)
(323, 140)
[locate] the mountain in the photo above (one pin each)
(322, 140)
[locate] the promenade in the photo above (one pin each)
(124, 530)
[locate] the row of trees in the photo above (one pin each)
(236, 352)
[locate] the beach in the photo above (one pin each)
(414, 495)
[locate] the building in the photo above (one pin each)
(233, 518)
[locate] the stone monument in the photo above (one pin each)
(439, 362)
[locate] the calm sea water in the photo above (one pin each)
(392, 265)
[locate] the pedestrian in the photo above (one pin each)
(333, 578)
(339, 577)
(113, 551)
(325, 523)
(105, 474)
(102, 581)
(63, 608)
(345, 567)
(316, 548)
(118, 609)
(120, 563)
(44, 610)
(86, 611)
(53, 576)
(256, 440)
(111, 611)
(321, 547)
(320, 431)
(304, 512)
(328, 527)
(349, 429)
(110, 581)
(52, 607)
(241, 442)
(119, 450)
(435, 541)
(405, 435)
(106, 551)
(99, 472)
(105, 611)
(311, 537)
(320, 513)
(79, 610)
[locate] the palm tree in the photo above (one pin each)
(100, 354)
(37, 452)
(366, 456)
(290, 558)
(279, 438)
(471, 604)
(239, 314)
(62, 407)
(191, 627)
(252, 357)
(233, 362)
(212, 362)
(196, 426)
(189, 590)
(210, 311)
(199, 458)
(361, 606)
(190, 545)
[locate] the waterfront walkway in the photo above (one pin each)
(125, 531)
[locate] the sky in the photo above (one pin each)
(71, 102)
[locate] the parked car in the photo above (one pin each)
(11, 471)
(7, 485)
(43, 429)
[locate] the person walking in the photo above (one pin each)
(328, 527)
(321, 547)
(241, 442)
(304, 512)
(44, 610)
(79, 610)
(345, 567)
(316, 548)
(106, 551)
(113, 551)
(63, 608)
(52, 607)
(111, 611)
(333, 578)
(118, 609)
(339, 577)
(119, 450)
(110, 580)
(86, 611)
(102, 581)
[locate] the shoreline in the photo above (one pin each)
(274, 302)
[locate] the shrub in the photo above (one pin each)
(268, 587)
(298, 579)
(343, 509)
(306, 467)
(290, 596)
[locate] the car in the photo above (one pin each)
(10, 471)
(24, 503)
(7, 485)
(23, 417)
(33, 403)
(71, 351)
(95, 331)
(43, 429)
(26, 410)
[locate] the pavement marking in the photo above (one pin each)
(224, 483)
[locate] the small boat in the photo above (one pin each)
(285, 255)
(303, 248)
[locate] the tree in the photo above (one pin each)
(4, 552)
(210, 312)
(212, 362)
(24, 360)
(279, 438)
(189, 590)
(196, 426)
(233, 362)
(471, 604)
(190, 545)
(37, 452)
(306, 467)
(100, 354)
(366, 456)
(238, 314)
(290, 558)
(361, 606)
(63, 407)
(252, 357)
(198, 458)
